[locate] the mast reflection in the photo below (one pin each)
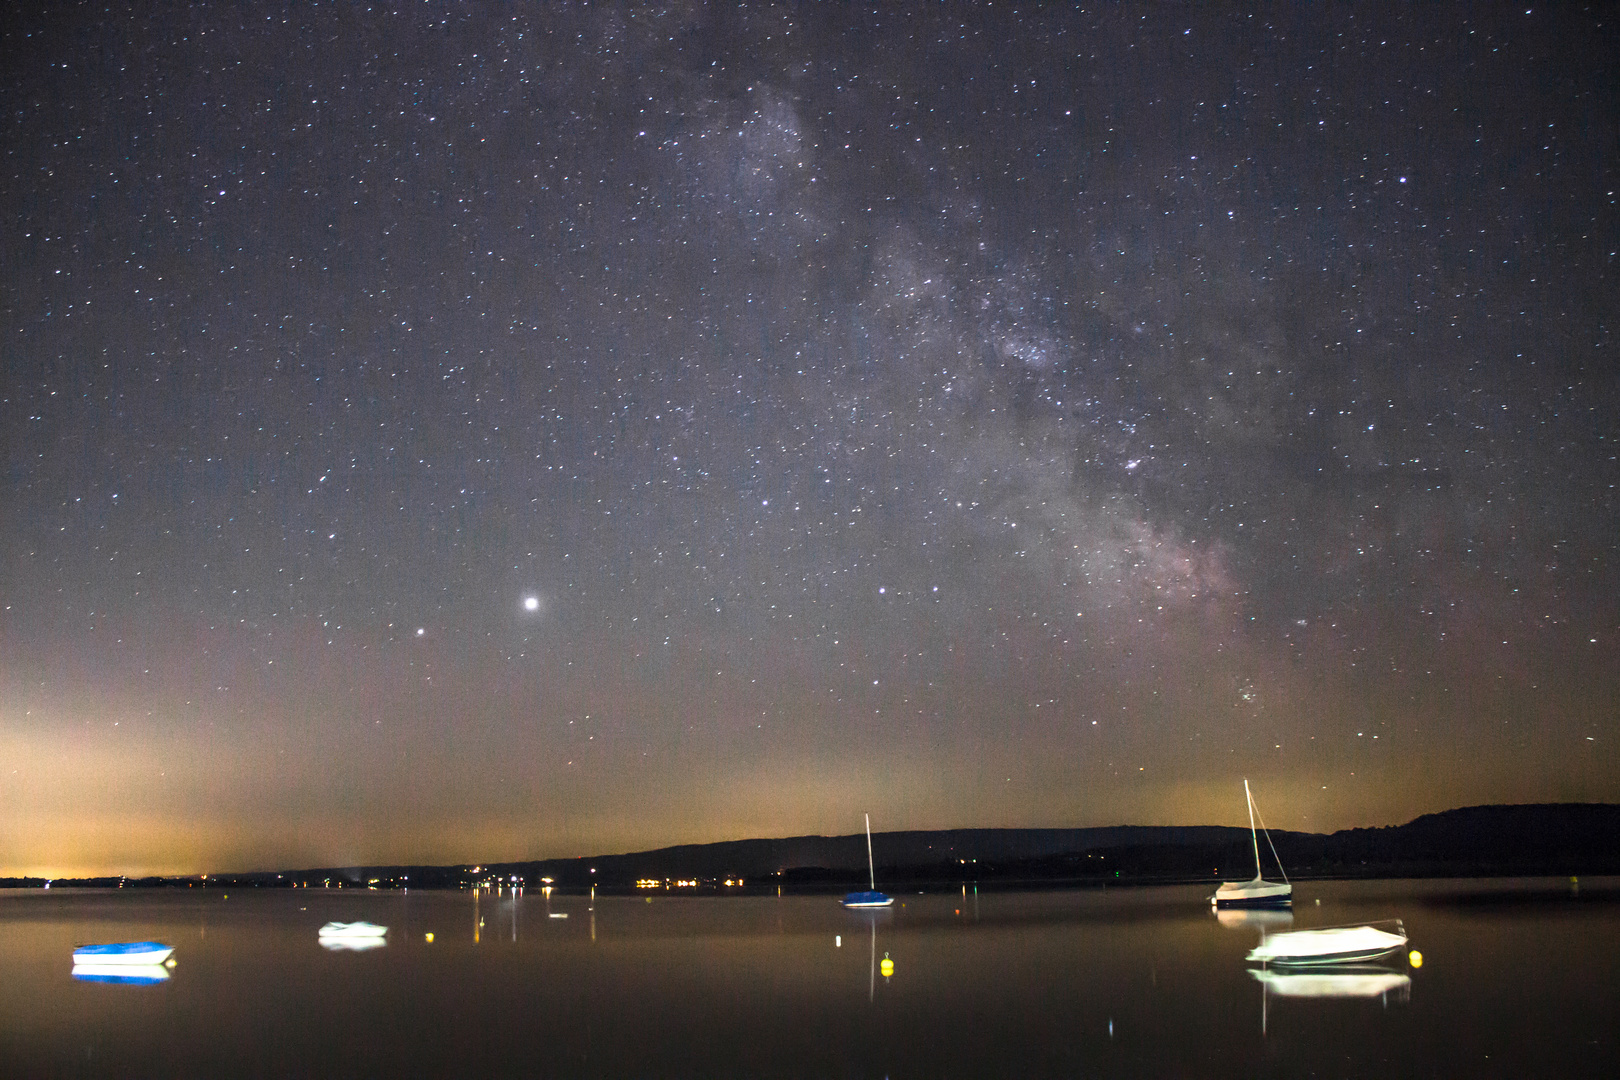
(872, 917)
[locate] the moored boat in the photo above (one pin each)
(1330, 945)
(360, 929)
(352, 936)
(145, 953)
(868, 898)
(1258, 893)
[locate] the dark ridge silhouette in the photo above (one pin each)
(1476, 841)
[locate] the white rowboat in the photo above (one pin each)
(353, 930)
(1330, 945)
(143, 953)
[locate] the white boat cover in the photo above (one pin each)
(1333, 945)
(1254, 893)
(143, 953)
(352, 930)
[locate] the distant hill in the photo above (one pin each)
(1529, 838)
(1541, 838)
(1480, 840)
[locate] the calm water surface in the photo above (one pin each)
(1518, 979)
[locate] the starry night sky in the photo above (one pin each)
(439, 434)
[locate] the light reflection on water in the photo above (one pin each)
(1132, 982)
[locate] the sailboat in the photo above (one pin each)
(1259, 892)
(871, 898)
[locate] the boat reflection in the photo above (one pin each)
(121, 974)
(352, 944)
(1348, 981)
(872, 917)
(1260, 918)
(1359, 982)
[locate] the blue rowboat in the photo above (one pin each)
(123, 952)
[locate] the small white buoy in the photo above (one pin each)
(838, 941)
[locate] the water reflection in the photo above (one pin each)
(1081, 983)
(1361, 982)
(872, 917)
(352, 944)
(121, 974)
(1261, 918)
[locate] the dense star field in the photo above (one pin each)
(444, 433)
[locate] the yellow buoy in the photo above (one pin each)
(1415, 958)
(428, 937)
(886, 966)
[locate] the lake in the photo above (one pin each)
(1517, 978)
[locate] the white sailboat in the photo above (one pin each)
(870, 898)
(1258, 893)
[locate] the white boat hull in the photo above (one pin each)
(121, 955)
(353, 930)
(1334, 945)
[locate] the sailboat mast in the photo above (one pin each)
(1253, 839)
(871, 870)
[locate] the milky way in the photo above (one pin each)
(443, 434)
